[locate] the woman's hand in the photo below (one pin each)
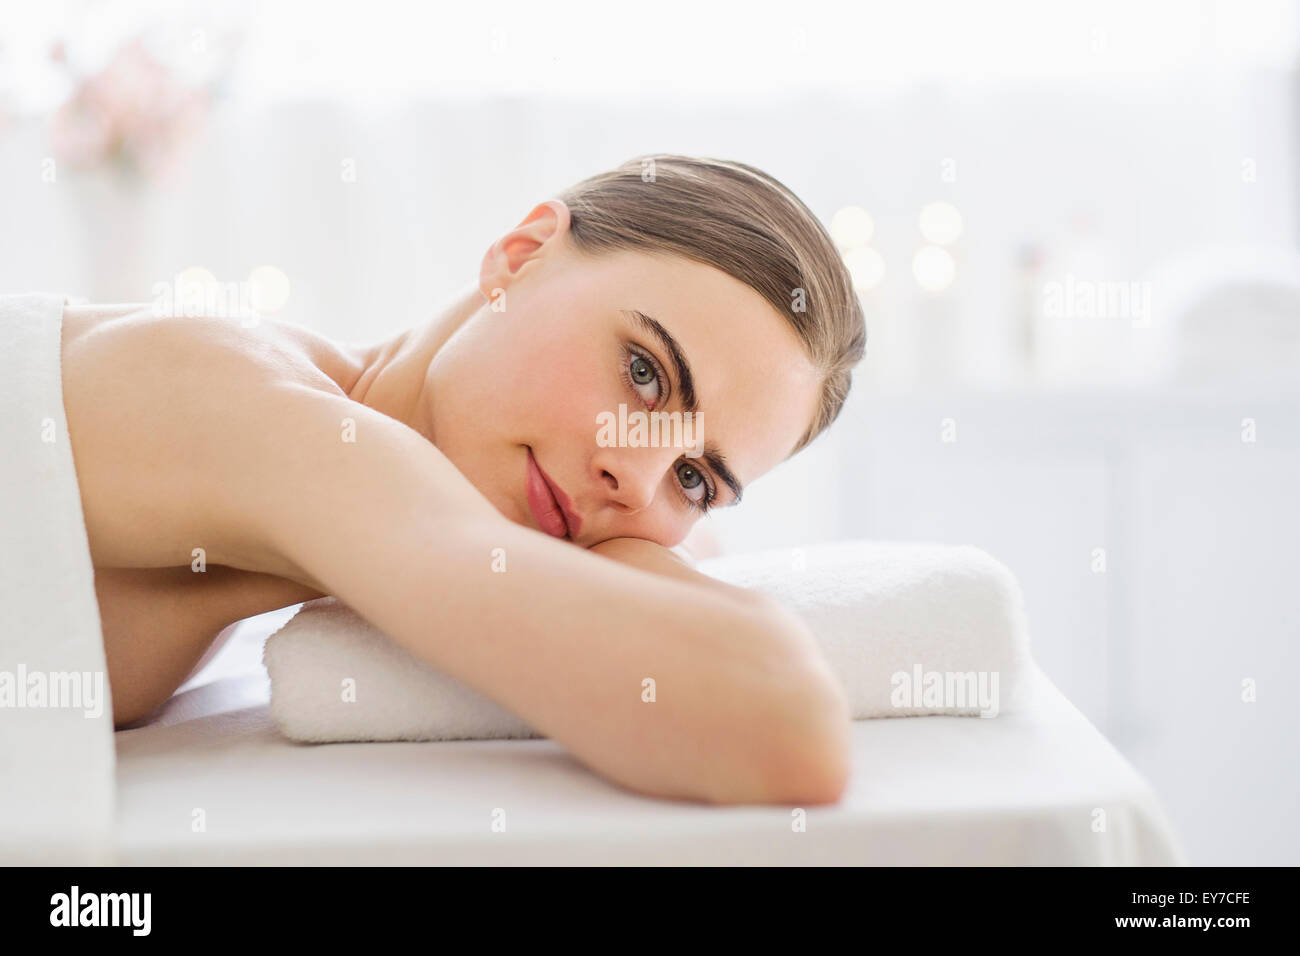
(655, 558)
(700, 544)
(647, 555)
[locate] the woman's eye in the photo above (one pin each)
(695, 485)
(642, 375)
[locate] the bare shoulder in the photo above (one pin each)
(168, 418)
(286, 351)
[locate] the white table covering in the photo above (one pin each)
(1040, 786)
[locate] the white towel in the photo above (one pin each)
(909, 629)
(57, 757)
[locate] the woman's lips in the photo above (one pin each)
(542, 501)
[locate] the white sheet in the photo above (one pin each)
(1022, 788)
(56, 762)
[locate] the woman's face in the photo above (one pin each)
(541, 375)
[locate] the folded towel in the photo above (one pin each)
(909, 629)
(57, 757)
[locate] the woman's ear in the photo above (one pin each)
(539, 234)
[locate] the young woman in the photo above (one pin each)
(449, 486)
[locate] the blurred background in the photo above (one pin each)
(1074, 227)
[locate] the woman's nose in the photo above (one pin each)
(633, 475)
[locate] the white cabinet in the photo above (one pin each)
(1215, 603)
(1199, 532)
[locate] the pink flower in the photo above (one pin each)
(82, 135)
(135, 112)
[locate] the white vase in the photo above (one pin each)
(114, 213)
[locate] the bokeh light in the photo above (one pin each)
(852, 227)
(934, 268)
(866, 267)
(941, 223)
(269, 288)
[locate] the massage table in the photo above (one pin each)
(1038, 786)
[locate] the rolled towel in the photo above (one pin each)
(909, 629)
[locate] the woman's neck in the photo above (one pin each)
(393, 376)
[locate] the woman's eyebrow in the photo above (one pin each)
(718, 463)
(681, 365)
(712, 455)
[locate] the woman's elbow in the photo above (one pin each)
(812, 754)
(807, 727)
(806, 767)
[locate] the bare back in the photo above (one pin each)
(133, 384)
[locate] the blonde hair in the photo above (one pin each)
(743, 222)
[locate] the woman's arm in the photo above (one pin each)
(668, 687)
